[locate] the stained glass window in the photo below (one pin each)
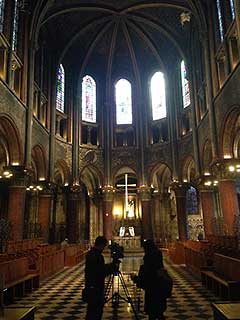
(158, 96)
(220, 21)
(191, 201)
(232, 8)
(2, 6)
(185, 86)
(88, 99)
(15, 26)
(60, 89)
(123, 94)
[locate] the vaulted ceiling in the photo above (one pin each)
(108, 35)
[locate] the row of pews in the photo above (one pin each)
(216, 262)
(26, 263)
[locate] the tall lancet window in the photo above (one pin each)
(158, 96)
(185, 86)
(123, 94)
(2, 6)
(220, 20)
(15, 25)
(88, 99)
(60, 89)
(231, 2)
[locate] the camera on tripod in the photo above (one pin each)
(117, 251)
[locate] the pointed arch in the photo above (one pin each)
(91, 177)
(40, 162)
(10, 132)
(228, 133)
(160, 177)
(62, 175)
(189, 170)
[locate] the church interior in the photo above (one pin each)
(122, 119)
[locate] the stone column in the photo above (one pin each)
(108, 197)
(16, 207)
(226, 174)
(180, 194)
(145, 196)
(16, 201)
(44, 213)
(207, 203)
(73, 210)
(237, 18)
(229, 204)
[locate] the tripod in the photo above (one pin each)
(116, 295)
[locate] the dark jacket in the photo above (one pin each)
(96, 270)
(147, 279)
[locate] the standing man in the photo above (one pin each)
(95, 272)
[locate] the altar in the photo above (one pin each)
(129, 242)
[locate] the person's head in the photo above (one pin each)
(100, 243)
(148, 245)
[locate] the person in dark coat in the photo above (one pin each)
(95, 272)
(147, 279)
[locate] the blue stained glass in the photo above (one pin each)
(2, 6)
(158, 96)
(88, 99)
(185, 86)
(15, 26)
(123, 96)
(220, 21)
(60, 89)
(191, 201)
(232, 8)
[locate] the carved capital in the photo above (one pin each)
(108, 192)
(226, 169)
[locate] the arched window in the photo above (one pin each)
(2, 6)
(123, 95)
(88, 99)
(15, 25)
(60, 89)
(191, 201)
(158, 96)
(231, 2)
(220, 21)
(185, 86)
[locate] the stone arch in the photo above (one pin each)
(62, 174)
(39, 162)
(206, 156)
(11, 136)
(189, 169)
(121, 171)
(229, 130)
(236, 146)
(160, 177)
(91, 177)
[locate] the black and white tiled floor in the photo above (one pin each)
(59, 297)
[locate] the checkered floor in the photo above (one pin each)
(60, 296)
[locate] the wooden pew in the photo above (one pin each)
(223, 278)
(18, 279)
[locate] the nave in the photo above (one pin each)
(59, 297)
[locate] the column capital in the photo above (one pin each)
(145, 192)
(226, 169)
(108, 192)
(16, 175)
(179, 188)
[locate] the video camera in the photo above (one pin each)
(117, 251)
